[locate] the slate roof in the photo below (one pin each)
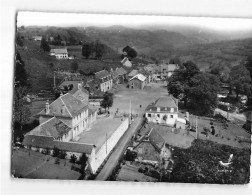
(49, 142)
(133, 73)
(156, 139)
(53, 127)
(139, 77)
(73, 106)
(166, 101)
(120, 71)
(101, 74)
(59, 51)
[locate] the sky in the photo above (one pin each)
(103, 20)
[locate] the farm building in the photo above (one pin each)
(137, 82)
(59, 53)
(164, 110)
(37, 38)
(126, 62)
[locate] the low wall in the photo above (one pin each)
(105, 150)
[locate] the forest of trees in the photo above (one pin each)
(93, 50)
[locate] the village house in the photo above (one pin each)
(59, 53)
(137, 82)
(105, 80)
(132, 74)
(152, 149)
(126, 62)
(95, 94)
(166, 70)
(164, 111)
(121, 74)
(37, 38)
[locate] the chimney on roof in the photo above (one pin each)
(61, 94)
(63, 109)
(47, 107)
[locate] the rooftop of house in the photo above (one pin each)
(168, 67)
(166, 101)
(121, 71)
(59, 51)
(49, 142)
(125, 59)
(65, 106)
(139, 77)
(133, 73)
(91, 85)
(101, 74)
(52, 127)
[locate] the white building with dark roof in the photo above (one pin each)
(59, 53)
(105, 79)
(163, 111)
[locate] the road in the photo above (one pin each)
(118, 150)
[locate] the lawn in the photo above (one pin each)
(226, 136)
(31, 164)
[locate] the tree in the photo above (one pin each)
(56, 151)
(240, 79)
(180, 82)
(21, 77)
(99, 49)
(87, 49)
(74, 66)
(131, 53)
(203, 93)
(107, 101)
(19, 40)
(22, 112)
(44, 45)
(83, 162)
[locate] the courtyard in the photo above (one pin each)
(123, 96)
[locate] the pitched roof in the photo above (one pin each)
(125, 59)
(101, 74)
(120, 71)
(73, 106)
(53, 127)
(133, 73)
(156, 139)
(49, 142)
(59, 51)
(139, 77)
(166, 101)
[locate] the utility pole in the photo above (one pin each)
(54, 80)
(130, 113)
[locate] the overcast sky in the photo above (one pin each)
(74, 19)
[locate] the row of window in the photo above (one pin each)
(158, 115)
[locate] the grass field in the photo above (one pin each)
(34, 165)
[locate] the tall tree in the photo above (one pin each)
(240, 79)
(203, 93)
(180, 82)
(99, 49)
(44, 45)
(87, 49)
(131, 53)
(19, 40)
(107, 101)
(21, 77)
